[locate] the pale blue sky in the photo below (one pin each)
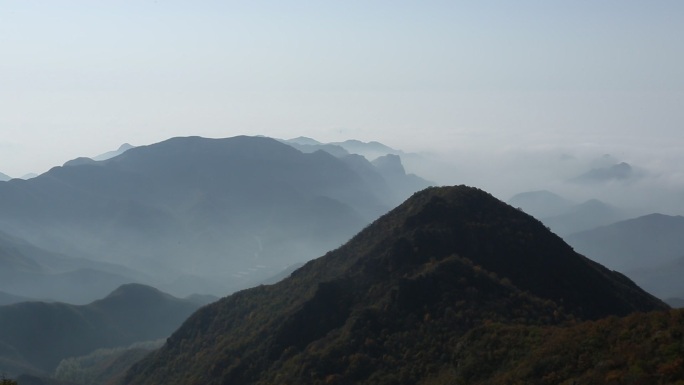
(78, 78)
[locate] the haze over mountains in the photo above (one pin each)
(36, 336)
(648, 249)
(566, 217)
(201, 215)
(196, 215)
(32, 273)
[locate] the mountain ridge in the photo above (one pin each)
(256, 200)
(447, 260)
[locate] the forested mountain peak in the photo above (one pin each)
(446, 260)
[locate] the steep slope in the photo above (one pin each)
(4, 177)
(394, 301)
(207, 210)
(36, 336)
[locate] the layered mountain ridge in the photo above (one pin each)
(201, 215)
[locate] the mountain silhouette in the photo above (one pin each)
(4, 177)
(36, 336)
(394, 302)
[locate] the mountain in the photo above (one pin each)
(401, 183)
(385, 172)
(637, 243)
(4, 177)
(396, 303)
(370, 150)
(110, 154)
(308, 145)
(617, 172)
(304, 141)
(564, 216)
(663, 280)
(30, 272)
(204, 215)
(584, 216)
(102, 366)
(648, 249)
(541, 203)
(36, 336)
(675, 302)
(642, 348)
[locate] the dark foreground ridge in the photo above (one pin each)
(397, 303)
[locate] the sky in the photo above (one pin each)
(79, 78)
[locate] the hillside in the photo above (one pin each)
(392, 304)
(642, 348)
(36, 336)
(201, 215)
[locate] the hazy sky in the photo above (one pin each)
(78, 78)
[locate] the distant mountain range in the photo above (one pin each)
(564, 216)
(4, 177)
(406, 301)
(621, 172)
(110, 154)
(28, 272)
(541, 203)
(637, 243)
(386, 161)
(648, 249)
(36, 336)
(202, 215)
